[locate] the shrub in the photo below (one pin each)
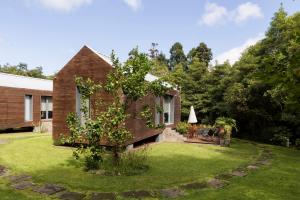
(281, 136)
(132, 162)
(225, 126)
(90, 163)
(182, 127)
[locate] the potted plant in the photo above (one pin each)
(225, 126)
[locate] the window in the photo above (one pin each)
(28, 112)
(46, 107)
(168, 108)
(79, 112)
(157, 112)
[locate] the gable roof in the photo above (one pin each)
(103, 57)
(149, 77)
(25, 82)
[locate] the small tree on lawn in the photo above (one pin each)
(126, 84)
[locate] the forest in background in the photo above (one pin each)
(261, 90)
(22, 69)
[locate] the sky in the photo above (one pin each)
(48, 33)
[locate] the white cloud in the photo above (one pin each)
(246, 11)
(63, 5)
(216, 14)
(233, 55)
(134, 4)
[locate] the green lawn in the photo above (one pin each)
(171, 164)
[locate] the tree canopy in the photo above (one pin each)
(22, 69)
(261, 90)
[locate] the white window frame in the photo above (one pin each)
(170, 111)
(78, 106)
(28, 117)
(157, 113)
(47, 110)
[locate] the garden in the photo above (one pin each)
(180, 166)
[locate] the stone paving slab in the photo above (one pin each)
(137, 194)
(49, 189)
(2, 167)
(3, 170)
(18, 178)
(71, 196)
(103, 196)
(264, 162)
(215, 183)
(239, 173)
(196, 185)
(172, 193)
(3, 141)
(252, 167)
(23, 185)
(224, 176)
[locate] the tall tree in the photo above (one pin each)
(159, 66)
(153, 51)
(177, 56)
(201, 52)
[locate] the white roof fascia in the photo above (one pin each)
(25, 82)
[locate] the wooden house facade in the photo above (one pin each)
(88, 63)
(25, 102)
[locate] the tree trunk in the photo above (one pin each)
(116, 156)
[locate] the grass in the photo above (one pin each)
(170, 164)
(280, 181)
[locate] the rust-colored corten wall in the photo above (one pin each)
(12, 107)
(86, 63)
(138, 126)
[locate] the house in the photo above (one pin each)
(25, 102)
(88, 63)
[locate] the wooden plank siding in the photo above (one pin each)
(12, 108)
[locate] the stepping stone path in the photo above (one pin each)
(215, 183)
(23, 182)
(3, 170)
(252, 167)
(49, 189)
(3, 141)
(239, 173)
(18, 178)
(264, 162)
(71, 196)
(103, 196)
(224, 176)
(172, 193)
(196, 185)
(137, 194)
(23, 185)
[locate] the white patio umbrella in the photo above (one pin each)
(192, 116)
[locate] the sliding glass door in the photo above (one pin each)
(168, 107)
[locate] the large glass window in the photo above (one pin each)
(46, 107)
(79, 106)
(157, 111)
(168, 108)
(28, 112)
